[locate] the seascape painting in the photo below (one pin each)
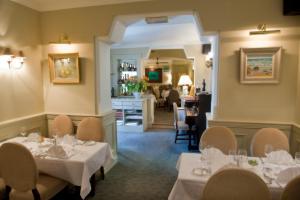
(259, 66)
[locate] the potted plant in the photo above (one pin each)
(135, 86)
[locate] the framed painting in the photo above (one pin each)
(64, 68)
(154, 75)
(260, 65)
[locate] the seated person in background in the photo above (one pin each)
(173, 97)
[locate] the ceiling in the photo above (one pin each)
(47, 5)
(180, 30)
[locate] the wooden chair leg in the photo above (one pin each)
(36, 194)
(6, 193)
(102, 172)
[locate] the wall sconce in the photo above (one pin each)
(7, 56)
(13, 62)
(18, 61)
(63, 39)
(262, 30)
(209, 60)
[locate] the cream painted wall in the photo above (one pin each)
(259, 102)
(201, 71)
(297, 112)
(21, 91)
(71, 98)
(236, 101)
(82, 24)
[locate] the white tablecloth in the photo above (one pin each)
(189, 186)
(78, 168)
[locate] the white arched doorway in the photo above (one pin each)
(120, 23)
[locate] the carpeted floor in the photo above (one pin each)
(146, 168)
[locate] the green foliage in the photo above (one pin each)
(135, 85)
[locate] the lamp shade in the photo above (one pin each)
(185, 80)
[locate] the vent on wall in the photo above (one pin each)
(156, 20)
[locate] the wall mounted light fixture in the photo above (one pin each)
(18, 61)
(13, 61)
(63, 39)
(262, 30)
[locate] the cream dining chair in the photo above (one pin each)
(291, 190)
(62, 125)
(219, 137)
(268, 136)
(180, 124)
(91, 128)
(235, 184)
(21, 176)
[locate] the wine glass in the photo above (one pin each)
(297, 157)
(23, 131)
(242, 156)
(232, 155)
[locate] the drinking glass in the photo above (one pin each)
(23, 131)
(242, 157)
(232, 155)
(268, 149)
(297, 157)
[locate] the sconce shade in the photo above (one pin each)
(7, 52)
(185, 80)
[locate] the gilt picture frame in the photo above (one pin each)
(64, 68)
(260, 65)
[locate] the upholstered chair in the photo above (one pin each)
(235, 184)
(219, 137)
(179, 123)
(268, 136)
(62, 125)
(90, 128)
(291, 190)
(21, 176)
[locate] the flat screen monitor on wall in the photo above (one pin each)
(291, 7)
(154, 75)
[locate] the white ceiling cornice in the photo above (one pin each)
(48, 5)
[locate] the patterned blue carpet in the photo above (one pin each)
(145, 169)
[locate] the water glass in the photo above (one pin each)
(297, 157)
(23, 131)
(268, 149)
(242, 157)
(232, 156)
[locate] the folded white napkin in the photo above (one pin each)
(68, 139)
(280, 157)
(213, 153)
(33, 137)
(287, 175)
(58, 151)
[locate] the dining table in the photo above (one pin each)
(189, 184)
(84, 159)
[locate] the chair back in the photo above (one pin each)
(173, 97)
(90, 128)
(62, 125)
(235, 184)
(268, 136)
(291, 190)
(219, 137)
(176, 115)
(18, 167)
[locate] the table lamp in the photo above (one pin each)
(185, 81)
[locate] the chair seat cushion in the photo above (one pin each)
(47, 186)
